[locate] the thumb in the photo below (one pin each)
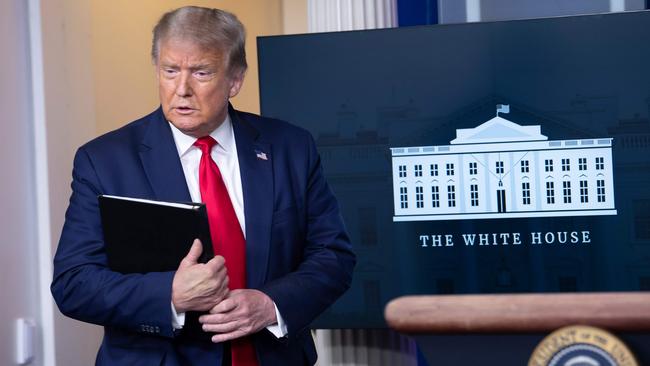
(193, 255)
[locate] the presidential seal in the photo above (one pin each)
(581, 346)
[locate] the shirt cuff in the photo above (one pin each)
(178, 320)
(279, 329)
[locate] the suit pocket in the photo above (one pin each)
(132, 355)
(284, 215)
(286, 241)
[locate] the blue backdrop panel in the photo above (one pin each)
(577, 91)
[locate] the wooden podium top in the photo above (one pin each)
(519, 313)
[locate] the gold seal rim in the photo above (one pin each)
(581, 334)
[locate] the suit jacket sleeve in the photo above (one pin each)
(325, 270)
(83, 286)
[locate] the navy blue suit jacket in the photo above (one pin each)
(297, 249)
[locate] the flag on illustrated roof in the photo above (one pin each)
(503, 108)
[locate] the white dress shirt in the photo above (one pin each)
(225, 156)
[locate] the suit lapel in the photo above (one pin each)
(257, 186)
(161, 162)
(164, 171)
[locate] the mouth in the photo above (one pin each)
(184, 110)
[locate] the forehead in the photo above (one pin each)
(179, 50)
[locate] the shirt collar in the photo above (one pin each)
(223, 134)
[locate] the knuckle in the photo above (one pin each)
(211, 271)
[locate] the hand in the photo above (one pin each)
(241, 313)
(198, 286)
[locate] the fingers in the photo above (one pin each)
(223, 337)
(228, 326)
(223, 317)
(225, 306)
(242, 312)
(217, 269)
(217, 263)
(193, 255)
(221, 293)
(221, 327)
(198, 286)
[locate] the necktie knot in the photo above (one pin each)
(205, 143)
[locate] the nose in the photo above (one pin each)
(183, 86)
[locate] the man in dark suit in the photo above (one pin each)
(272, 215)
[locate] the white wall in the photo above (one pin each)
(46, 111)
(69, 121)
(294, 16)
(18, 239)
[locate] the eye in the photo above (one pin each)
(202, 74)
(168, 71)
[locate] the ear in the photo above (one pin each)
(236, 82)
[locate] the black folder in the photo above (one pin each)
(143, 236)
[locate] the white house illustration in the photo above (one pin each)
(500, 169)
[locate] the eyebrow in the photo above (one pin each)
(201, 67)
(191, 67)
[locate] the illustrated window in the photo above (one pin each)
(525, 193)
(473, 168)
(434, 170)
(548, 165)
(600, 190)
(584, 192)
(566, 165)
(566, 191)
(402, 171)
(582, 164)
(473, 191)
(450, 169)
(451, 196)
(550, 192)
(419, 197)
(403, 197)
(435, 196)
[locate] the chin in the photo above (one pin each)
(186, 125)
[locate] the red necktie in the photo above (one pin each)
(227, 237)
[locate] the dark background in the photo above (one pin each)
(361, 92)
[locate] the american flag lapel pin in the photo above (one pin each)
(261, 155)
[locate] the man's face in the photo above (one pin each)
(194, 86)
